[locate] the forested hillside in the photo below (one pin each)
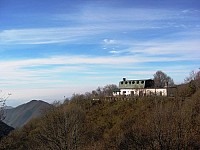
(143, 123)
(85, 123)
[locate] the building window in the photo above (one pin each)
(126, 82)
(137, 82)
(129, 82)
(122, 82)
(133, 82)
(124, 92)
(142, 82)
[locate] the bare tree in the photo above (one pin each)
(161, 79)
(101, 92)
(194, 77)
(61, 128)
(108, 89)
(3, 98)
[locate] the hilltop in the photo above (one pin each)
(19, 116)
(141, 122)
(152, 122)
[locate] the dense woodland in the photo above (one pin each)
(82, 123)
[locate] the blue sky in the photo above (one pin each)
(54, 48)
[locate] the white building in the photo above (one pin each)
(139, 88)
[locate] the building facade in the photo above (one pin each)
(139, 88)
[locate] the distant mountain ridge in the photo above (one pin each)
(19, 116)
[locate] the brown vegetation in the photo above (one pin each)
(152, 123)
(145, 123)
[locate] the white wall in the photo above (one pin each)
(137, 92)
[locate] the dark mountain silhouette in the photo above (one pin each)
(19, 116)
(4, 129)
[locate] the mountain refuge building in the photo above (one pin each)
(139, 88)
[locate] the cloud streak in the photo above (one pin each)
(46, 35)
(43, 70)
(92, 22)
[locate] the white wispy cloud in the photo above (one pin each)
(94, 22)
(63, 34)
(114, 52)
(185, 48)
(46, 35)
(105, 14)
(29, 72)
(109, 41)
